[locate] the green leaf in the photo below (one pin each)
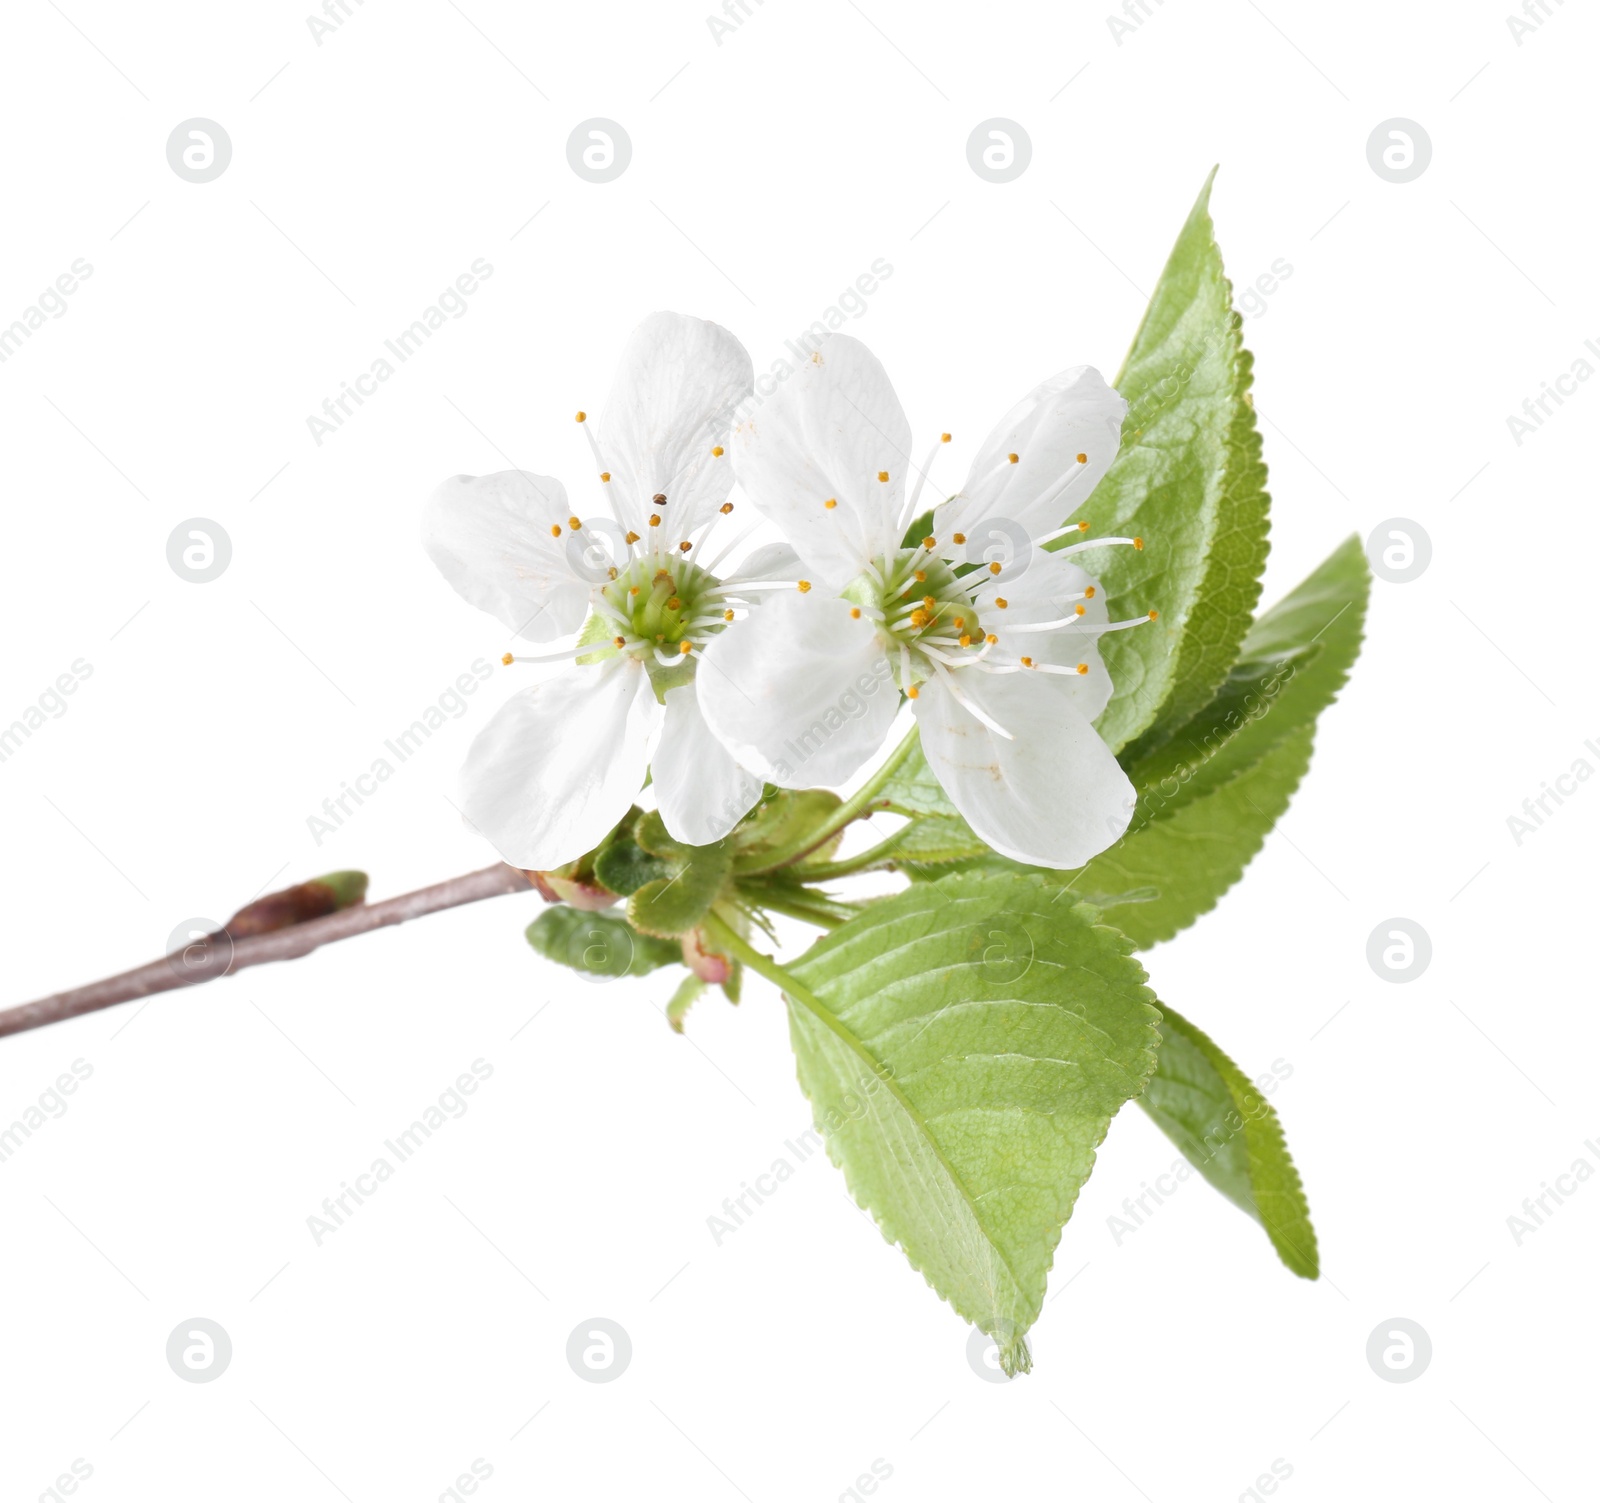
(1228, 1130)
(598, 944)
(1210, 795)
(1189, 481)
(934, 840)
(1295, 660)
(1189, 858)
(964, 1046)
(913, 789)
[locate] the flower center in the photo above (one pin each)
(924, 610)
(659, 601)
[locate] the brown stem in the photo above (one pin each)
(218, 955)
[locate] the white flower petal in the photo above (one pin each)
(1072, 413)
(672, 401)
(701, 791)
(825, 435)
(770, 561)
(560, 762)
(1053, 795)
(493, 537)
(799, 691)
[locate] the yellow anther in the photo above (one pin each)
(507, 660)
(913, 692)
(582, 416)
(1083, 459)
(633, 537)
(1077, 610)
(804, 586)
(1027, 662)
(930, 543)
(1088, 593)
(958, 537)
(574, 523)
(673, 603)
(991, 639)
(919, 618)
(727, 506)
(685, 648)
(727, 615)
(829, 505)
(1012, 458)
(618, 642)
(883, 476)
(929, 601)
(1139, 544)
(684, 547)
(634, 590)
(994, 568)
(1154, 614)
(944, 438)
(966, 641)
(855, 613)
(605, 475)
(555, 529)
(1083, 526)
(1083, 667)
(655, 521)
(1001, 601)
(921, 576)
(611, 573)
(716, 451)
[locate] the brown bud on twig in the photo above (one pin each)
(295, 905)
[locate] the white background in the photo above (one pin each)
(768, 173)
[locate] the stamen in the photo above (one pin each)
(1099, 543)
(804, 586)
(555, 529)
(716, 451)
(972, 709)
(574, 524)
(1060, 532)
(684, 547)
(883, 477)
(909, 509)
(727, 506)
(508, 660)
(829, 504)
(582, 416)
(659, 499)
